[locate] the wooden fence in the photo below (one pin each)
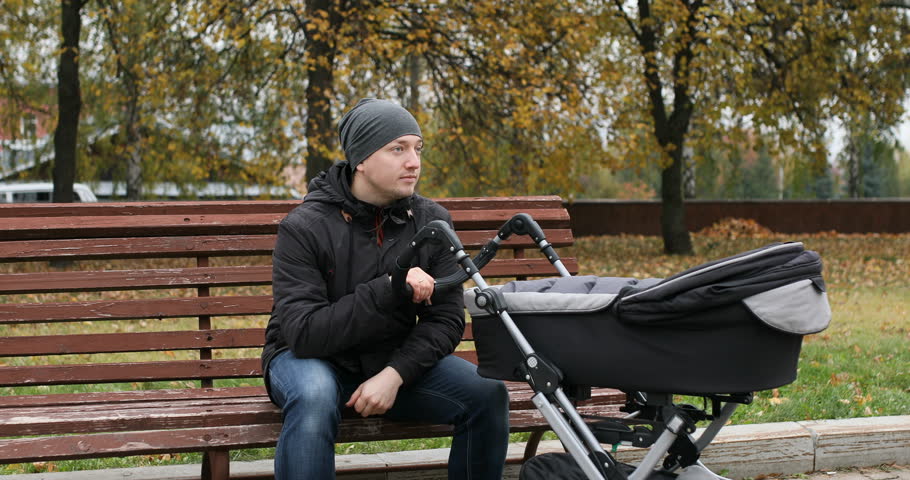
(613, 217)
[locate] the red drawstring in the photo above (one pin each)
(379, 233)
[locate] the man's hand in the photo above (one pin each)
(376, 395)
(422, 284)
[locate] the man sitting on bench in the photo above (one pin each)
(340, 336)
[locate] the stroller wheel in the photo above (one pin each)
(550, 466)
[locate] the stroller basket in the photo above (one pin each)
(734, 325)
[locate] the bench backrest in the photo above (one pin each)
(176, 293)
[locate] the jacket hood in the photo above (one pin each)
(333, 186)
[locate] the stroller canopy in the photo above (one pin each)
(781, 284)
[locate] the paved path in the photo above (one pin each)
(888, 472)
(848, 449)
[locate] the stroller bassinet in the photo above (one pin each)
(729, 326)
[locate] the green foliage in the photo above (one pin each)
(729, 172)
(903, 168)
(871, 164)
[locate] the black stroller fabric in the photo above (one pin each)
(729, 326)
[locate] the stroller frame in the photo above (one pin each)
(670, 437)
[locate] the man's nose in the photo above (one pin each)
(413, 159)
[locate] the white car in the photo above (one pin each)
(40, 192)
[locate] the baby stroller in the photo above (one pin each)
(719, 331)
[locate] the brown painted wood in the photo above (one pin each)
(136, 443)
(127, 396)
(130, 342)
(536, 267)
(38, 228)
(210, 245)
(493, 219)
(136, 417)
(228, 207)
(216, 465)
(243, 206)
(519, 392)
(234, 436)
(487, 203)
(12, 313)
(129, 372)
(137, 247)
(93, 281)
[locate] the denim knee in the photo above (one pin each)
(307, 390)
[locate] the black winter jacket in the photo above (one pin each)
(332, 294)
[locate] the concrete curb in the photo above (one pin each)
(739, 451)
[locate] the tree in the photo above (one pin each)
(182, 93)
(699, 68)
(69, 101)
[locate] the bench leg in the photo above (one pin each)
(531, 446)
(216, 465)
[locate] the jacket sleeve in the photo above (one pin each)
(311, 325)
(440, 325)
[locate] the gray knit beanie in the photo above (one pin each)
(370, 125)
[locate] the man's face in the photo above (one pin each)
(391, 173)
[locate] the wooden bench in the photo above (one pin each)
(136, 328)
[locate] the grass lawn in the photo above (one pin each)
(859, 366)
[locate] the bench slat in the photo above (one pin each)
(241, 207)
(126, 396)
(24, 228)
(93, 281)
(38, 228)
(238, 436)
(12, 313)
(139, 416)
(245, 206)
(130, 372)
(142, 247)
(168, 414)
(531, 267)
(518, 392)
(131, 342)
(208, 245)
(56, 282)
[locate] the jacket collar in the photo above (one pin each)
(334, 186)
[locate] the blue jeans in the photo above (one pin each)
(311, 393)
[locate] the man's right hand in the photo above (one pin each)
(422, 284)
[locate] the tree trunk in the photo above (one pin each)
(69, 100)
(320, 90)
(673, 208)
(670, 129)
(414, 73)
(854, 172)
(133, 151)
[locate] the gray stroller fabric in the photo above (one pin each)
(781, 284)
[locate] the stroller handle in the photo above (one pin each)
(439, 231)
(435, 232)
